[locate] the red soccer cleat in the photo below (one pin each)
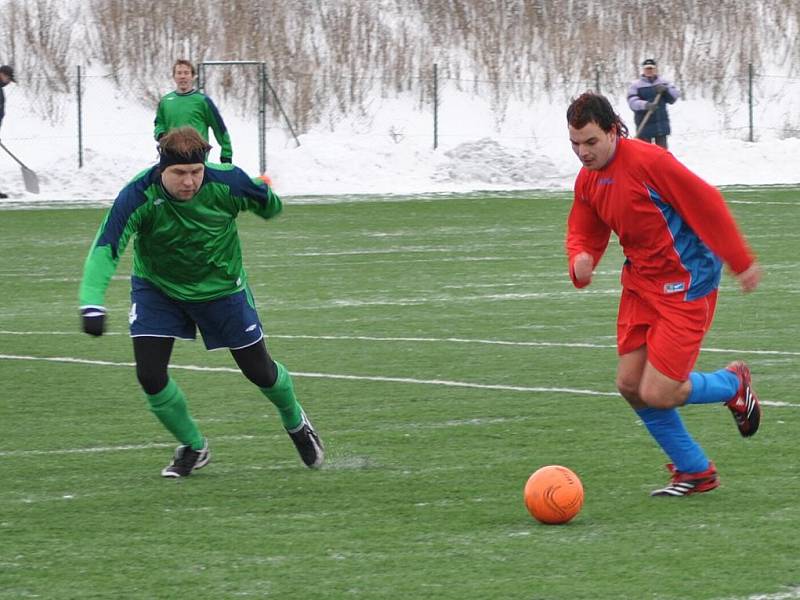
(744, 405)
(684, 484)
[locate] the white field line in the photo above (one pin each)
(2, 332)
(120, 448)
(378, 378)
(411, 380)
(334, 458)
(456, 340)
(789, 594)
(451, 340)
(444, 298)
(407, 380)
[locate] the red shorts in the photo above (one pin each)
(671, 328)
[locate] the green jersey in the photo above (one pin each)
(188, 249)
(196, 110)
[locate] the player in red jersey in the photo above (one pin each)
(675, 231)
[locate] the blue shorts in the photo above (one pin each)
(227, 322)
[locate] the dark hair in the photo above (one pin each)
(8, 71)
(183, 61)
(184, 142)
(595, 108)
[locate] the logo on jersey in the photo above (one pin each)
(251, 328)
(674, 288)
(605, 181)
(158, 201)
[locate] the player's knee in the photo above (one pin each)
(256, 364)
(656, 398)
(264, 373)
(628, 388)
(152, 381)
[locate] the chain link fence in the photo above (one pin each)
(438, 120)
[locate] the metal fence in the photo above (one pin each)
(430, 97)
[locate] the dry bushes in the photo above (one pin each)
(38, 38)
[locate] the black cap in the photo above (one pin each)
(649, 62)
(8, 72)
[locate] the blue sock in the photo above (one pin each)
(719, 386)
(668, 430)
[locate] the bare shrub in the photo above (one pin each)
(46, 27)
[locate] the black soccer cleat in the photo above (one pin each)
(308, 443)
(187, 460)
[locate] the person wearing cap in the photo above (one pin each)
(649, 95)
(6, 77)
(188, 274)
(188, 106)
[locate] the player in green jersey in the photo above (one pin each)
(188, 274)
(188, 106)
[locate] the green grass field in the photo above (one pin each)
(443, 354)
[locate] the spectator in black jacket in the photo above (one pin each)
(6, 76)
(650, 94)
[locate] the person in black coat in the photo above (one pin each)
(650, 94)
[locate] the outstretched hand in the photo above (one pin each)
(583, 267)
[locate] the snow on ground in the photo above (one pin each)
(389, 151)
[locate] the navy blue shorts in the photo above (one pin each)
(227, 322)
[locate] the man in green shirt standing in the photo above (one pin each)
(188, 106)
(188, 274)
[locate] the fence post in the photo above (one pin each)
(597, 77)
(750, 96)
(262, 118)
(435, 106)
(80, 121)
(280, 106)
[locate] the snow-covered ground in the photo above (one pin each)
(390, 151)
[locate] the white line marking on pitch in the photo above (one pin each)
(444, 382)
(4, 332)
(452, 340)
(121, 448)
(335, 458)
(507, 343)
(378, 378)
(791, 594)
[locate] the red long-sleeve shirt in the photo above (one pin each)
(673, 227)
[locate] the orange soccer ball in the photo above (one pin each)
(553, 495)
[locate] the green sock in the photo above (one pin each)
(282, 396)
(169, 405)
